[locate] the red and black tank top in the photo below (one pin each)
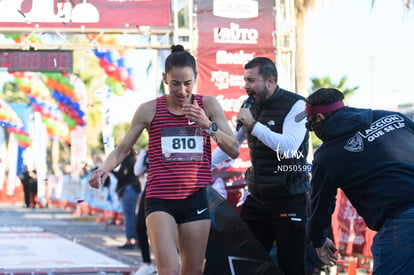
(179, 154)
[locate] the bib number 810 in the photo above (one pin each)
(183, 143)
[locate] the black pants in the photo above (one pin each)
(142, 230)
(30, 193)
(284, 222)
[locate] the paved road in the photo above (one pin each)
(85, 232)
(20, 237)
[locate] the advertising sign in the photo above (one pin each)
(105, 14)
(230, 33)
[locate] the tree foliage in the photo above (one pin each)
(12, 93)
(326, 82)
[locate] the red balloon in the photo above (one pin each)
(121, 74)
(110, 70)
(103, 63)
(130, 83)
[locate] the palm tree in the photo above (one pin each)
(326, 82)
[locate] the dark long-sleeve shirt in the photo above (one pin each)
(369, 155)
(125, 176)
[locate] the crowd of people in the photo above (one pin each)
(368, 154)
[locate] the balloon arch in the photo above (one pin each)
(59, 106)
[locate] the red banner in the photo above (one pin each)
(230, 33)
(105, 14)
(351, 235)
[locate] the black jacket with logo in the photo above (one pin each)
(369, 154)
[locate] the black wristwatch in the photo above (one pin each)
(212, 128)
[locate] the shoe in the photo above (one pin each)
(146, 269)
(127, 246)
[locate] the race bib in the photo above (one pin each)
(182, 144)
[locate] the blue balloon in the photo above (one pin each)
(121, 62)
(56, 95)
(75, 105)
(99, 53)
(112, 56)
(66, 100)
(130, 71)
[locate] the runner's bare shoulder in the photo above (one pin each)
(211, 106)
(146, 110)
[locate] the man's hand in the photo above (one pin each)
(245, 116)
(327, 252)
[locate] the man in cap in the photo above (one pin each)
(369, 154)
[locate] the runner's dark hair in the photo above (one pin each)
(179, 57)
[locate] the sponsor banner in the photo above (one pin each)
(351, 234)
(230, 33)
(105, 14)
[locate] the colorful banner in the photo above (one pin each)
(351, 235)
(230, 33)
(103, 14)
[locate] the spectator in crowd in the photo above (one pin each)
(128, 189)
(141, 170)
(29, 182)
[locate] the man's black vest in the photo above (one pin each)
(273, 175)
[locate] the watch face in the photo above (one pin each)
(214, 126)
